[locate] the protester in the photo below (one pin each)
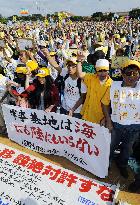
(44, 95)
(125, 106)
(72, 90)
(98, 88)
(5, 85)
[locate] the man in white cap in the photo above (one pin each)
(97, 101)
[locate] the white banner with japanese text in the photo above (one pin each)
(84, 143)
(27, 180)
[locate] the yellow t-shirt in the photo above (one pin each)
(96, 93)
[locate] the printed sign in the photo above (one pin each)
(24, 44)
(125, 103)
(27, 180)
(84, 143)
(118, 62)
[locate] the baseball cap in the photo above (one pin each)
(43, 72)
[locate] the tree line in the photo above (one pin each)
(98, 16)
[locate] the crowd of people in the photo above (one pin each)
(88, 70)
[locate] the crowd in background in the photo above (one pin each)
(81, 69)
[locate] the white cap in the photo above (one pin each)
(102, 64)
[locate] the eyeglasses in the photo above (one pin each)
(132, 73)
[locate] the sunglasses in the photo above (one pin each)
(132, 73)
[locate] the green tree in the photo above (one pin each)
(110, 16)
(98, 16)
(2, 19)
(134, 13)
(76, 18)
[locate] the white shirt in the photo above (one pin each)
(53, 72)
(125, 103)
(71, 93)
(3, 83)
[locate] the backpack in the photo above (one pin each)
(60, 83)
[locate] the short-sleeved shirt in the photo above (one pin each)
(97, 94)
(71, 92)
(125, 104)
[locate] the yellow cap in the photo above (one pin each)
(1, 76)
(52, 53)
(100, 43)
(117, 35)
(123, 40)
(21, 69)
(2, 34)
(73, 60)
(43, 72)
(32, 65)
(102, 48)
(130, 62)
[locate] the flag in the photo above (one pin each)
(14, 18)
(24, 11)
(46, 22)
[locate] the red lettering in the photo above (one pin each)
(105, 193)
(65, 176)
(6, 153)
(86, 185)
(22, 160)
(83, 143)
(18, 129)
(35, 166)
(54, 173)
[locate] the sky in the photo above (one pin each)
(77, 7)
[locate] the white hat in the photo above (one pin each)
(102, 64)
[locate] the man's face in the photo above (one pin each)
(102, 75)
(23, 57)
(131, 76)
(71, 68)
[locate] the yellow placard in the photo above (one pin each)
(118, 61)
